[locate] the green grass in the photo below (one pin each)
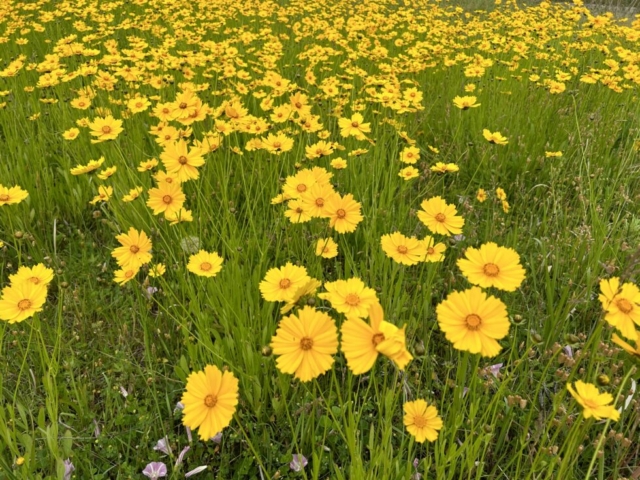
(573, 220)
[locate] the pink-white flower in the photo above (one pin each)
(155, 470)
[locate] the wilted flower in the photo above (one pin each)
(298, 462)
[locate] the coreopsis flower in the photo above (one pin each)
(362, 342)
(37, 275)
(465, 103)
(147, 165)
(631, 350)
(354, 127)
(209, 400)
(181, 161)
(107, 172)
(319, 149)
(107, 128)
(494, 137)
(501, 194)
(408, 173)
(434, 251)
(338, 163)
(157, 270)
(11, 195)
(104, 195)
(441, 167)
(351, 297)
(621, 305)
(410, 155)
(440, 217)
(277, 143)
(305, 344)
(125, 274)
(481, 196)
(71, 134)
(166, 198)
(135, 250)
(138, 104)
(326, 248)
(281, 284)
(402, 249)
(164, 177)
(205, 264)
(132, 195)
(177, 216)
(89, 167)
(422, 420)
(316, 197)
(492, 266)
(298, 211)
(552, 154)
(344, 213)
(21, 301)
(473, 322)
(81, 103)
(595, 404)
(308, 290)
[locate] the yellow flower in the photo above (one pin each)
(305, 290)
(147, 165)
(305, 344)
(621, 305)
(351, 297)
(297, 211)
(157, 270)
(71, 134)
(326, 248)
(132, 195)
(181, 161)
(404, 250)
(354, 127)
(473, 322)
(90, 167)
(125, 274)
(362, 342)
(209, 400)
(135, 250)
(11, 195)
(344, 213)
(594, 403)
(635, 351)
(281, 284)
(37, 275)
(107, 172)
(492, 266)
(338, 163)
(495, 137)
(465, 103)
(553, 154)
(408, 173)
(166, 198)
(205, 264)
(422, 420)
(277, 143)
(481, 196)
(315, 199)
(434, 251)
(441, 167)
(107, 128)
(410, 155)
(21, 301)
(177, 216)
(440, 217)
(104, 195)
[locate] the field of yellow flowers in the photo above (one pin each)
(322, 240)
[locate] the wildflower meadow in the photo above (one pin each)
(384, 239)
